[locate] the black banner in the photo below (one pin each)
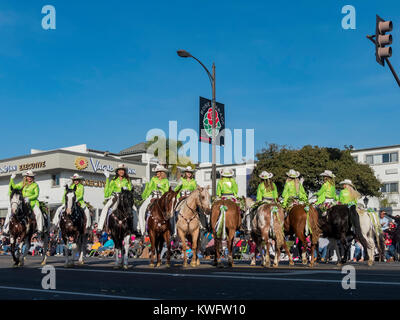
(205, 121)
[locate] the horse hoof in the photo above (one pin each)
(304, 262)
(370, 263)
(198, 262)
(125, 267)
(151, 265)
(185, 265)
(220, 265)
(291, 263)
(275, 265)
(116, 267)
(168, 265)
(158, 265)
(43, 263)
(81, 263)
(253, 263)
(214, 264)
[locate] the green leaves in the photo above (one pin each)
(311, 162)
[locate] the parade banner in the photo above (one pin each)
(205, 123)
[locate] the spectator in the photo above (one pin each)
(358, 252)
(95, 247)
(383, 221)
(107, 248)
(323, 248)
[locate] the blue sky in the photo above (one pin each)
(109, 72)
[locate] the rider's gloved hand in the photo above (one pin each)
(106, 173)
(13, 176)
(27, 200)
(159, 186)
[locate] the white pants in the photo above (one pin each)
(36, 212)
(104, 212)
(56, 219)
(142, 215)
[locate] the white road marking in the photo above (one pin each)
(233, 275)
(76, 293)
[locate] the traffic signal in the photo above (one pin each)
(382, 40)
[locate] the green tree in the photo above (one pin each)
(311, 162)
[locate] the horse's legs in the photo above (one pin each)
(12, 243)
(195, 237)
(181, 234)
(117, 253)
(218, 245)
(153, 247)
(159, 248)
(336, 248)
(126, 251)
(303, 243)
(266, 260)
(21, 253)
(231, 236)
(167, 239)
(256, 240)
(45, 247)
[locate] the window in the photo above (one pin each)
(390, 187)
(382, 158)
(355, 158)
(207, 176)
(55, 178)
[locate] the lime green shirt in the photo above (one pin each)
(327, 191)
(263, 193)
(153, 186)
(289, 191)
(187, 185)
(227, 185)
(79, 192)
(30, 191)
(345, 197)
(116, 185)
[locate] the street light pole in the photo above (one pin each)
(185, 54)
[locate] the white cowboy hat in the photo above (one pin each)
(293, 173)
(266, 175)
(328, 173)
(347, 181)
(160, 168)
(188, 169)
(76, 176)
(29, 173)
(227, 173)
(121, 166)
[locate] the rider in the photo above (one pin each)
(293, 190)
(348, 195)
(119, 182)
(227, 187)
(267, 190)
(157, 186)
(79, 192)
(327, 194)
(30, 191)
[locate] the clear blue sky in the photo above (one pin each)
(109, 72)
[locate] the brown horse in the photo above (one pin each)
(72, 225)
(224, 225)
(295, 223)
(189, 222)
(159, 227)
(268, 224)
(22, 227)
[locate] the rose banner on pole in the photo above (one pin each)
(205, 123)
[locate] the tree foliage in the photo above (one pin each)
(311, 162)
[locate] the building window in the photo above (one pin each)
(355, 158)
(207, 176)
(390, 187)
(55, 178)
(382, 158)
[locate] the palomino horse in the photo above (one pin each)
(225, 221)
(159, 227)
(120, 224)
(268, 224)
(189, 221)
(22, 227)
(296, 223)
(72, 225)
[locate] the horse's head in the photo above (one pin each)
(16, 200)
(126, 200)
(168, 201)
(204, 199)
(70, 199)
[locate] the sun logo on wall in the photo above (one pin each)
(81, 163)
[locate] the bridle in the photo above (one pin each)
(195, 213)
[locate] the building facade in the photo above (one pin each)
(384, 161)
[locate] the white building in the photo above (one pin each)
(384, 161)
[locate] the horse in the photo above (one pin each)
(337, 225)
(268, 224)
(72, 225)
(296, 223)
(225, 221)
(120, 224)
(159, 227)
(189, 221)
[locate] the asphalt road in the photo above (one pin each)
(98, 280)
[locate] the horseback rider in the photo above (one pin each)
(348, 195)
(157, 186)
(30, 192)
(79, 192)
(119, 182)
(327, 194)
(293, 191)
(227, 188)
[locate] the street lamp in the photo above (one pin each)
(185, 54)
(366, 201)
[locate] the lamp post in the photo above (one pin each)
(185, 54)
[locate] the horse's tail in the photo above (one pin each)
(355, 222)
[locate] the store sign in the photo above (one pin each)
(98, 166)
(8, 168)
(32, 166)
(94, 183)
